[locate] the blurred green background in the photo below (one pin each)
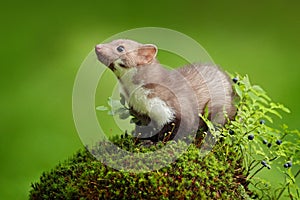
(44, 43)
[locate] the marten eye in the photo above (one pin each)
(120, 48)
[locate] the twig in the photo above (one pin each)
(256, 172)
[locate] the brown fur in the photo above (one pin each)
(187, 90)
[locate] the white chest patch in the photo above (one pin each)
(137, 97)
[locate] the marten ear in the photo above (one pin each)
(146, 54)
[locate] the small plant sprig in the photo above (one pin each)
(119, 107)
(116, 107)
(260, 143)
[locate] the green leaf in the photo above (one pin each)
(274, 112)
(268, 118)
(121, 110)
(263, 100)
(207, 122)
(101, 108)
(113, 102)
(259, 152)
(258, 89)
(238, 90)
(265, 96)
(124, 115)
(246, 81)
(282, 107)
(111, 112)
(253, 96)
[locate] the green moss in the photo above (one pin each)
(190, 177)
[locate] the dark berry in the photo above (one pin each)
(269, 145)
(289, 164)
(250, 137)
(262, 121)
(286, 165)
(264, 163)
(265, 142)
(279, 142)
(231, 132)
(235, 79)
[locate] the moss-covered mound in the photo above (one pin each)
(244, 147)
(214, 176)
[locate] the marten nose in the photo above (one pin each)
(98, 47)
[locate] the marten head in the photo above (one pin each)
(121, 54)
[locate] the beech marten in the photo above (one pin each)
(167, 102)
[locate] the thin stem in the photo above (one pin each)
(254, 166)
(285, 134)
(256, 172)
(286, 185)
(289, 191)
(289, 177)
(250, 166)
(298, 172)
(273, 158)
(251, 130)
(281, 192)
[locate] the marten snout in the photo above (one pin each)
(104, 54)
(98, 47)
